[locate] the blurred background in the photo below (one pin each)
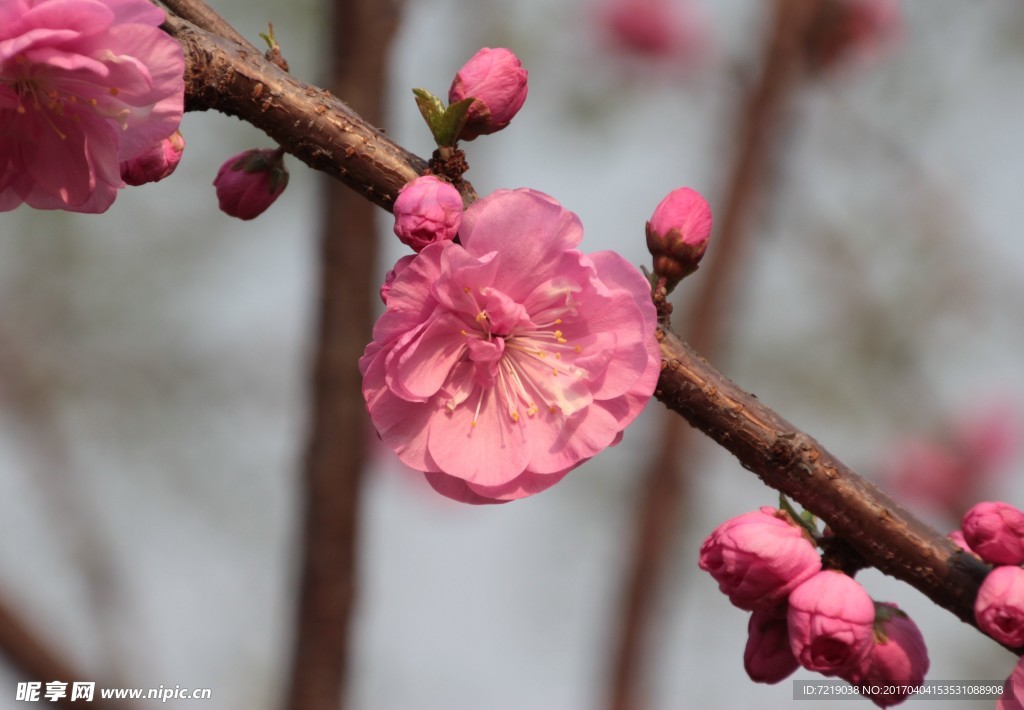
(154, 360)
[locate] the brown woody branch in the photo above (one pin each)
(305, 120)
(884, 533)
(320, 130)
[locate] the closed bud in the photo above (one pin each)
(758, 558)
(999, 606)
(768, 657)
(248, 183)
(898, 661)
(995, 531)
(831, 624)
(427, 210)
(156, 163)
(678, 234)
(495, 78)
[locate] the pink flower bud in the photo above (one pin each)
(768, 657)
(497, 80)
(758, 558)
(958, 537)
(389, 279)
(248, 183)
(898, 659)
(1013, 690)
(999, 606)
(678, 234)
(995, 531)
(156, 163)
(427, 210)
(831, 623)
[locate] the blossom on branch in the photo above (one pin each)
(84, 86)
(427, 210)
(995, 531)
(999, 606)
(758, 558)
(831, 623)
(504, 361)
(898, 661)
(768, 657)
(495, 78)
(248, 183)
(156, 163)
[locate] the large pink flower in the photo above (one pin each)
(84, 85)
(503, 362)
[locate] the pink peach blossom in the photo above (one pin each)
(758, 558)
(898, 659)
(999, 606)
(498, 82)
(84, 86)
(768, 657)
(427, 210)
(831, 623)
(506, 360)
(995, 532)
(389, 278)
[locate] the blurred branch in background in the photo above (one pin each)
(360, 37)
(664, 482)
(26, 652)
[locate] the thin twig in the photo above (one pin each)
(336, 452)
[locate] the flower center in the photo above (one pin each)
(518, 360)
(54, 103)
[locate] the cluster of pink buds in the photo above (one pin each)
(994, 531)
(803, 615)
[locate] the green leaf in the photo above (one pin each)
(451, 123)
(432, 110)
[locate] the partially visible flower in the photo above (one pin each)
(427, 210)
(678, 234)
(156, 163)
(848, 30)
(248, 183)
(831, 623)
(655, 28)
(999, 606)
(898, 661)
(389, 278)
(758, 558)
(957, 536)
(928, 471)
(84, 86)
(995, 531)
(504, 361)
(497, 80)
(768, 657)
(988, 435)
(1013, 690)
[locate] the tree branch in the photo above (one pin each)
(327, 135)
(305, 120)
(884, 533)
